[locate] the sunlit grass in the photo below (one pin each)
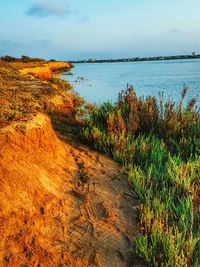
(23, 95)
(158, 144)
(46, 71)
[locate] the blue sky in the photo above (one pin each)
(71, 29)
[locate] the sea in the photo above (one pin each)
(100, 82)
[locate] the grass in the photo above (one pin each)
(61, 84)
(23, 95)
(158, 144)
(45, 72)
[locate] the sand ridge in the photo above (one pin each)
(61, 204)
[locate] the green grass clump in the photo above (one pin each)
(158, 144)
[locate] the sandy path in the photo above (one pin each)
(102, 225)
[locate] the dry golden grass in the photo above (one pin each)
(45, 72)
(3, 64)
(22, 95)
(58, 65)
(22, 65)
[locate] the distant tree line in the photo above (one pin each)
(22, 59)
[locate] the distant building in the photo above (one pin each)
(92, 60)
(194, 54)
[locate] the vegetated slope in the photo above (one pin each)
(46, 70)
(22, 95)
(159, 146)
(61, 205)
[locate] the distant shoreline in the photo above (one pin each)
(136, 59)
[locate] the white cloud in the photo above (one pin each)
(49, 8)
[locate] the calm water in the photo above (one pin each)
(102, 81)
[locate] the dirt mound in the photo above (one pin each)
(61, 204)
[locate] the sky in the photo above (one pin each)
(79, 29)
